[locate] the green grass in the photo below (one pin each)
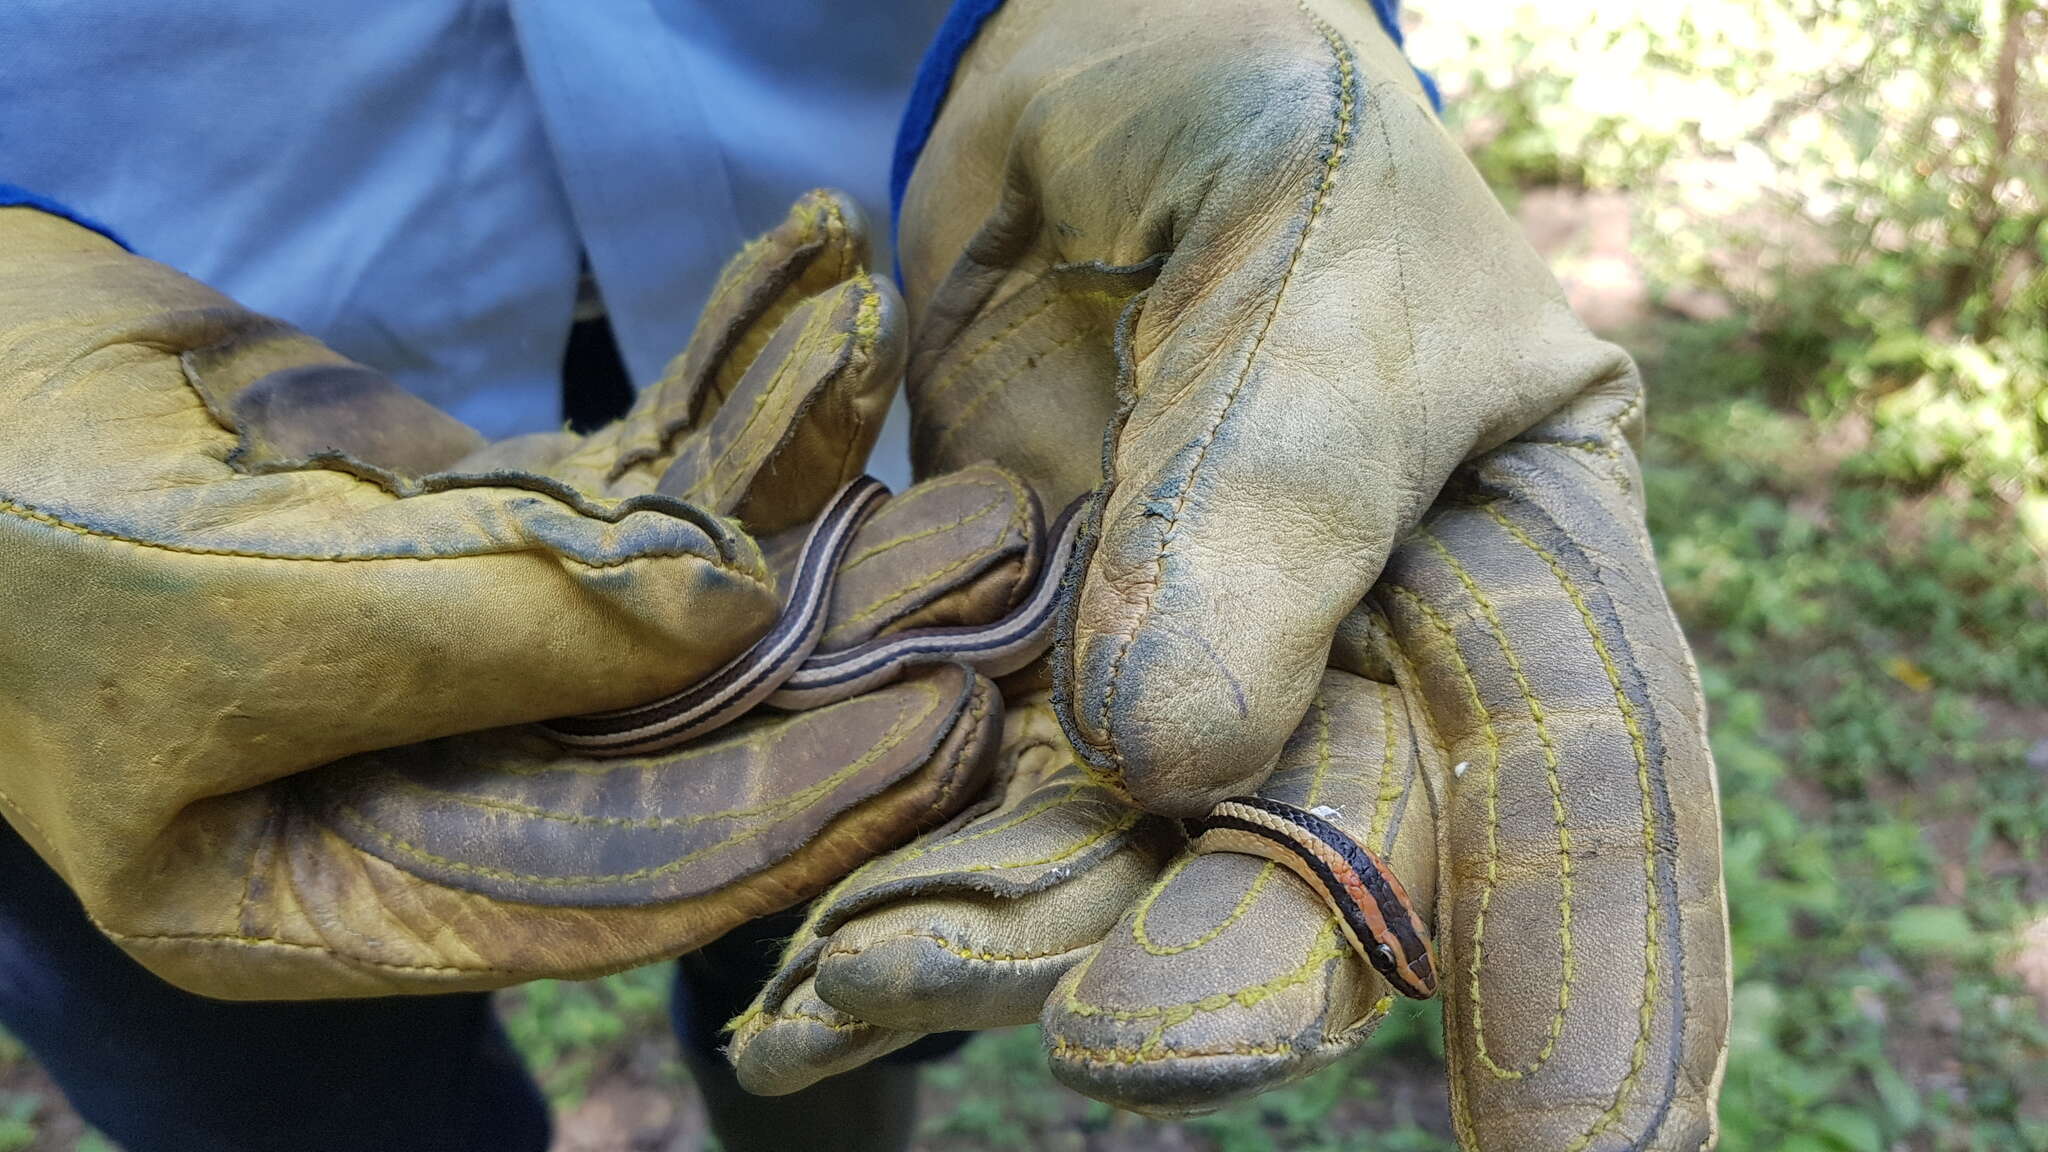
(18, 1128)
(997, 1096)
(569, 1030)
(1875, 656)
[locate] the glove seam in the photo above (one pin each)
(851, 1024)
(931, 392)
(894, 543)
(658, 440)
(22, 510)
(15, 807)
(726, 473)
(976, 559)
(1653, 914)
(1324, 949)
(1141, 934)
(961, 950)
(1560, 817)
(976, 714)
(797, 801)
(1124, 823)
(274, 942)
(1491, 736)
(1150, 1054)
(243, 939)
(1339, 143)
(962, 419)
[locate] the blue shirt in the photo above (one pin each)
(416, 182)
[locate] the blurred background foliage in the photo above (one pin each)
(1865, 180)
(1820, 226)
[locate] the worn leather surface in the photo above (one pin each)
(1510, 719)
(509, 816)
(1366, 525)
(969, 927)
(1335, 314)
(277, 629)
(957, 549)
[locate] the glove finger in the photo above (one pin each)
(971, 931)
(1230, 976)
(795, 1039)
(312, 407)
(780, 394)
(819, 245)
(799, 423)
(959, 549)
(1582, 928)
(203, 615)
(484, 860)
(789, 1037)
(489, 858)
(967, 928)
(1229, 548)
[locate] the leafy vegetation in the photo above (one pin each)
(1867, 180)
(1873, 657)
(567, 1031)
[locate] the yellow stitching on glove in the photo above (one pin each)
(292, 945)
(960, 950)
(1142, 935)
(1125, 822)
(930, 579)
(963, 419)
(1492, 738)
(799, 799)
(1325, 948)
(1123, 1054)
(1390, 789)
(859, 558)
(1653, 917)
(726, 469)
(1568, 954)
(1340, 139)
(36, 515)
(851, 1025)
(1447, 943)
(958, 371)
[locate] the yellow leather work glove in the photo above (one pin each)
(277, 629)
(1219, 263)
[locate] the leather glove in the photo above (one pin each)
(1226, 250)
(277, 630)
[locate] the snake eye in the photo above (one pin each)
(1385, 953)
